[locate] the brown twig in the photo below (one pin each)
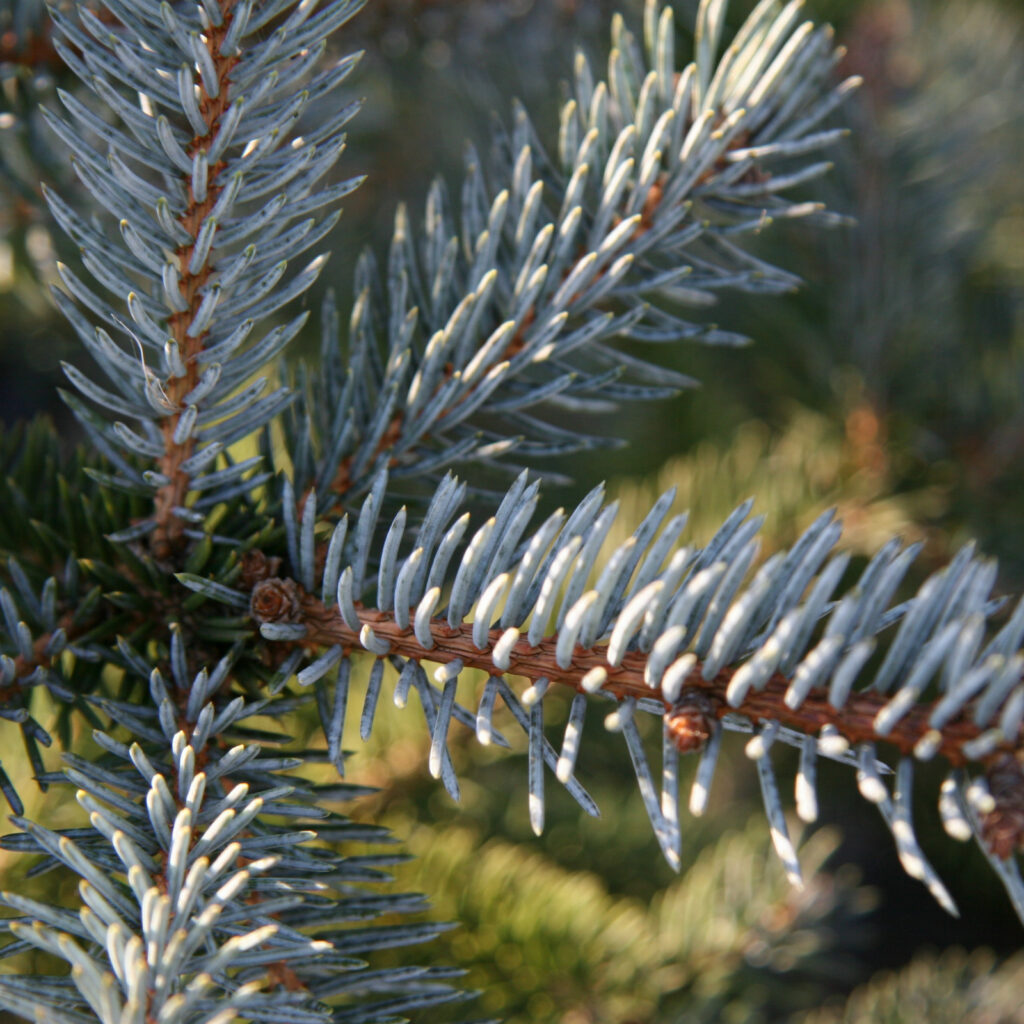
(854, 721)
(689, 719)
(342, 480)
(167, 536)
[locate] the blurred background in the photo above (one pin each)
(891, 386)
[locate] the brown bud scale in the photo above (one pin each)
(691, 719)
(276, 600)
(1002, 829)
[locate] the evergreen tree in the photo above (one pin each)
(244, 538)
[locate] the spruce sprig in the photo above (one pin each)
(505, 309)
(177, 592)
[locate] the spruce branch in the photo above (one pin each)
(283, 601)
(694, 635)
(212, 882)
(505, 310)
(212, 100)
(194, 905)
(39, 630)
(214, 192)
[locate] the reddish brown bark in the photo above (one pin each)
(169, 532)
(854, 721)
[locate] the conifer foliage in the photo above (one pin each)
(244, 531)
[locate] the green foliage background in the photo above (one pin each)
(891, 386)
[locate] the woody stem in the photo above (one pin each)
(167, 536)
(854, 720)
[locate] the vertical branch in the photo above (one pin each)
(169, 529)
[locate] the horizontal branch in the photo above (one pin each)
(282, 600)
